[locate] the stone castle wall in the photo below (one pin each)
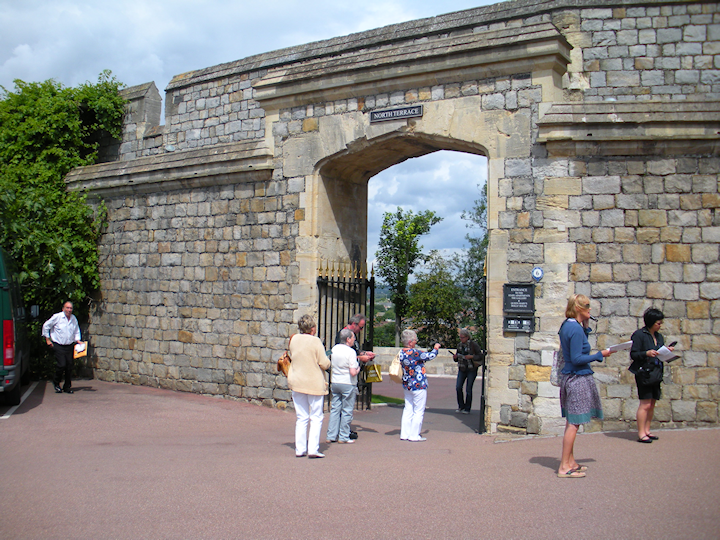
(217, 217)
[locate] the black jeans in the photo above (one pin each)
(64, 363)
(468, 377)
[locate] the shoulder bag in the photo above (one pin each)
(283, 364)
(396, 369)
(650, 373)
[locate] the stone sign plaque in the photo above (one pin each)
(519, 298)
(396, 114)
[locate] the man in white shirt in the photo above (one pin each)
(62, 332)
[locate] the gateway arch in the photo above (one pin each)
(602, 147)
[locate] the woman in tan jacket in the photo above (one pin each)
(307, 382)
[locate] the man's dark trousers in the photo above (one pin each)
(64, 363)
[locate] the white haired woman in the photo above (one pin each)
(414, 385)
(343, 387)
(307, 382)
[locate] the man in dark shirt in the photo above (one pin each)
(469, 357)
(356, 325)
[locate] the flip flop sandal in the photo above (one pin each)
(580, 468)
(572, 473)
(653, 437)
(646, 440)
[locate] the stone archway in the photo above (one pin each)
(601, 169)
(344, 184)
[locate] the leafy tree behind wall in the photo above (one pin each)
(436, 303)
(471, 264)
(399, 253)
(45, 131)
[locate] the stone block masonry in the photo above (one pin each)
(600, 124)
(196, 290)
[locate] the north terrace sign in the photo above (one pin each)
(396, 114)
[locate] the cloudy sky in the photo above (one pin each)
(72, 41)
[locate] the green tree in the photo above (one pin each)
(45, 131)
(471, 265)
(399, 253)
(384, 335)
(436, 303)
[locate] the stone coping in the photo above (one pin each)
(136, 92)
(495, 52)
(646, 120)
(216, 165)
(441, 24)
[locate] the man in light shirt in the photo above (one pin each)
(61, 332)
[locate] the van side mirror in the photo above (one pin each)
(34, 312)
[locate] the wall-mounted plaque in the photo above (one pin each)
(519, 324)
(396, 114)
(519, 298)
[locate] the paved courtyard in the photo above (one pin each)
(127, 462)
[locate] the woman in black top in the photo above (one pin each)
(645, 344)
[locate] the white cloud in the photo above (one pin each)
(444, 182)
(73, 41)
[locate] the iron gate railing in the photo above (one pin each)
(343, 291)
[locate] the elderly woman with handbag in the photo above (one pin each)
(579, 398)
(414, 386)
(307, 382)
(343, 388)
(648, 370)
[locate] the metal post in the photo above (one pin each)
(482, 428)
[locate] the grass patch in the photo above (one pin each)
(384, 399)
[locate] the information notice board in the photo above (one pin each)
(519, 298)
(519, 307)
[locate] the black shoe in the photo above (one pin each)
(58, 390)
(69, 391)
(353, 435)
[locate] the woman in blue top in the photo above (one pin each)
(579, 398)
(414, 385)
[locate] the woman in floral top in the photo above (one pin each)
(414, 385)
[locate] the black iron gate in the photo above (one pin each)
(343, 291)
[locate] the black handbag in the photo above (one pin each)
(651, 373)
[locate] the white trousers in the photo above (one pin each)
(308, 409)
(413, 414)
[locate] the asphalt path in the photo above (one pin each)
(128, 462)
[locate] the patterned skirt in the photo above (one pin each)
(579, 399)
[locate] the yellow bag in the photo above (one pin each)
(372, 373)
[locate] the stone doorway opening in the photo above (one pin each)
(347, 193)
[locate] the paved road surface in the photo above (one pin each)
(127, 462)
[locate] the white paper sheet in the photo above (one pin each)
(620, 346)
(666, 355)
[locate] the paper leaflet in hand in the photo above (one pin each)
(620, 346)
(666, 355)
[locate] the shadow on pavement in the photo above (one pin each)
(34, 400)
(627, 435)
